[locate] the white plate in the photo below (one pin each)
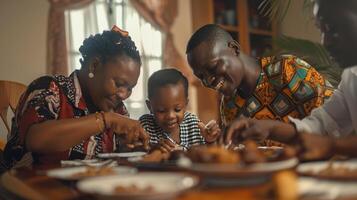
(270, 148)
(166, 185)
(90, 162)
(67, 173)
(122, 155)
(236, 170)
(312, 169)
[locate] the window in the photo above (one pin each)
(101, 15)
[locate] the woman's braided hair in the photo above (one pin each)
(108, 45)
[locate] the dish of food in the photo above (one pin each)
(77, 173)
(249, 161)
(94, 171)
(134, 188)
(146, 185)
(339, 170)
(274, 152)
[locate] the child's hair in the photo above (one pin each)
(107, 45)
(165, 77)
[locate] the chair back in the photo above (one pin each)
(10, 93)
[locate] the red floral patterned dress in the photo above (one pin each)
(54, 98)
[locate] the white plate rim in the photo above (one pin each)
(122, 155)
(81, 185)
(54, 173)
(317, 165)
(311, 169)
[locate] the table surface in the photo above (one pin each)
(33, 183)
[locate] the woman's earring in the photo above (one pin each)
(90, 75)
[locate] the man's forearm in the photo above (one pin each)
(282, 132)
(345, 146)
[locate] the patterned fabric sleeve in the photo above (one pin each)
(190, 132)
(39, 103)
(148, 123)
(222, 112)
(335, 117)
(298, 80)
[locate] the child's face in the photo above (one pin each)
(168, 106)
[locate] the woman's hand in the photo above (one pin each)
(132, 131)
(166, 146)
(210, 131)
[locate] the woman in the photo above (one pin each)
(79, 116)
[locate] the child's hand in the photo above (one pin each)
(210, 131)
(166, 146)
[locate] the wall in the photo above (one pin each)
(182, 27)
(23, 39)
(182, 30)
(22, 42)
(299, 24)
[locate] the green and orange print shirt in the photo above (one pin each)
(287, 86)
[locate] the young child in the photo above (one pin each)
(168, 124)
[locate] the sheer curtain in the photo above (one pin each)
(101, 15)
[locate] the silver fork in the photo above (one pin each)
(101, 165)
(184, 148)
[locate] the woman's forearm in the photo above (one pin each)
(60, 135)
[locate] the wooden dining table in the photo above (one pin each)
(32, 183)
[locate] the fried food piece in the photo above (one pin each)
(213, 154)
(155, 156)
(271, 143)
(331, 170)
(95, 171)
(251, 153)
(134, 189)
(289, 152)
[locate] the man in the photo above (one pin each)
(266, 88)
(337, 21)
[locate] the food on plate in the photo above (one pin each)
(213, 154)
(95, 171)
(332, 170)
(271, 143)
(250, 154)
(134, 189)
(157, 155)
